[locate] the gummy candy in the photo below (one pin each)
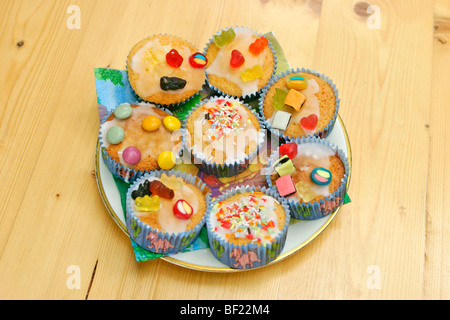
(198, 60)
(147, 203)
(166, 160)
(258, 45)
(171, 123)
(224, 37)
(131, 155)
(309, 122)
(295, 99)
(285, 186)
(142, 190)
(304, 191)
(288, 149)
(182, 210)
(174, 59)
(172, 83)
(115, 135)
(281, 120)
(160, 189)
(252, 73)
(237, 59)
(151, 123)
(297, 82)
(321, 176)
(284, 166)
(278, 98)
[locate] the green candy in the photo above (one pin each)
(123, 111)
(278, 98)
(115, 135)
(225, 37)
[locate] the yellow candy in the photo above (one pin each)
(151, 123)
(171, 123)
(252, 73)
(166, 160)
(305, 191)
(147, 203)
(297, 82)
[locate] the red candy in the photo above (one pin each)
(160, 189)
(182, 210)
(198, 60)
(290, 149)
(237, 59)
(309, 122)
(258, 45)
(174, 59)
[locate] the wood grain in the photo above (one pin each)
(394, 101)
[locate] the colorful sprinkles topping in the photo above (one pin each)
(223, 117)
(247, 218)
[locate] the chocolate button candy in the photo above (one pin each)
(123, 111)
(115, 135)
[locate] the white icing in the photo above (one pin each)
(221, 65)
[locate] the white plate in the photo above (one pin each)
(299, 234)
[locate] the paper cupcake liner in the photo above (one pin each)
(229, 168)
(251, 255)
(171, 105)
(157, 241)
(119, 170)
(250, 96)
(323, 207)
(321, 133)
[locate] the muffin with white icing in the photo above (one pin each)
(240, 62)
(139, 138)
(300, 103)
(311, 174)
(165, 69)
(223, 135)
(247, 227)
(166, 210)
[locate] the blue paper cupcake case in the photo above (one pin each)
(227, 169)
(252, 95)
(168, 106)
(323, 207)
(248, 256)
(322, 133)
(157, 241)
(117, 169)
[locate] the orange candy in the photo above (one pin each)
(258, 45)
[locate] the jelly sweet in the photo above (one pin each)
(198, 60)
(237, 59)
(297, 82)
(131, 155)
(147, 203)
(115, 135)
(151, 123)
(258, 45)
(288, 149)
(174, 59)
(321, 176)
(304, 191)
(171, 123)
(182, 210)
(252, 73)
(166, 160)
(142, 190)
(123, 111)
(172, 83)
(160, 189)
(310, 122)
(224, 37)
(278, 98)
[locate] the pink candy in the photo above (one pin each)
(131, 155)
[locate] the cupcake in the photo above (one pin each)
(166, 210)
(223, 136)
(247, 227)
(300, 103)
(139, 138)
(240, 62)
(165, 69)
(311, 174)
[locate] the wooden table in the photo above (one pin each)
(391, 62)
